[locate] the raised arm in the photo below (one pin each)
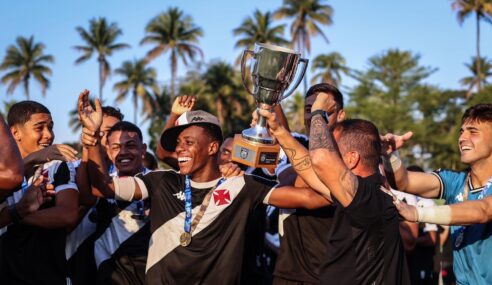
(181, 105)
(86, 196)
(96, 165)
(297, 154)
(325, 156)
(418, 183)
(11, 166)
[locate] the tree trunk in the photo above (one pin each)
(173, 74)
(100, 59)
(479, 84)
(26, 86)
(135, 104)
(220, 114)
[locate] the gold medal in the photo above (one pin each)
(185, 239)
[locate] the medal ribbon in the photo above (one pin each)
(189, 226)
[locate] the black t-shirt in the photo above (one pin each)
(215, 254)
(303, 238)
(364, 245)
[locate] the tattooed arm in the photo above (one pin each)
(297, 154)
(326, 159)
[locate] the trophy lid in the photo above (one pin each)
(276, 48)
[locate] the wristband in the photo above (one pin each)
(393, 162)
(440, 215)
(325, 115)
(14, 214)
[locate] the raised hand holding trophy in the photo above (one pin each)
(273, 70)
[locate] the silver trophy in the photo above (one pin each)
(273, 70)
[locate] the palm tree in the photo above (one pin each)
(24, 61)
(329, 66)
(101, 39)
(138, 78)
(259, 28)
(308, 16)
(174, 32)
(478, 78)
(483, 11)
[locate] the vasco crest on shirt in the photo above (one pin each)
(221, 197)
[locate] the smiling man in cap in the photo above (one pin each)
(198, 219)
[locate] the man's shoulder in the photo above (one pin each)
(159, 174)
(449, 174)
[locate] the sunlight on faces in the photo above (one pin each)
(194, 148)
(35, 134)
(225, 154)
(475, 142)
(126, 151)
(107, 123)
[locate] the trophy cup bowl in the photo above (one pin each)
(273, 70)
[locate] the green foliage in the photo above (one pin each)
(259, 29)
(173, 31)
(100, 38)
(392, 94)
(219, 91)
(23, 61)
(161, 108)
(139, 79)
(328, 68)
(294, 111)
(481, 78)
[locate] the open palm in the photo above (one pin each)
(90, 118)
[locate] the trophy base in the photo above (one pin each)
(255, 154)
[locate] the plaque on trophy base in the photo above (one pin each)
(255, 154)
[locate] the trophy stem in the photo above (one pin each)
(262, 123)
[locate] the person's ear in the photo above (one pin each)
(213, 148)
(144, 150)
(15, 132)
(353, 159)
(340, 115)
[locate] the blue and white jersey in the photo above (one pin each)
(472, 252)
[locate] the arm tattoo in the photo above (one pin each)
(349, 182)
(299, 164)
(320, 136)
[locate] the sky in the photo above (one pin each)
(360, 29)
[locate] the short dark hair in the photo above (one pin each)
(327, 88)
(361, 136)
(125, 126)
(21, 112)
(149, 161)
(112, 112)
(479, 113)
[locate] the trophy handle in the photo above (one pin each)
(243, 69)
(299, 79)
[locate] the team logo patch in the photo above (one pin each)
(222, 197)
(244, 153)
